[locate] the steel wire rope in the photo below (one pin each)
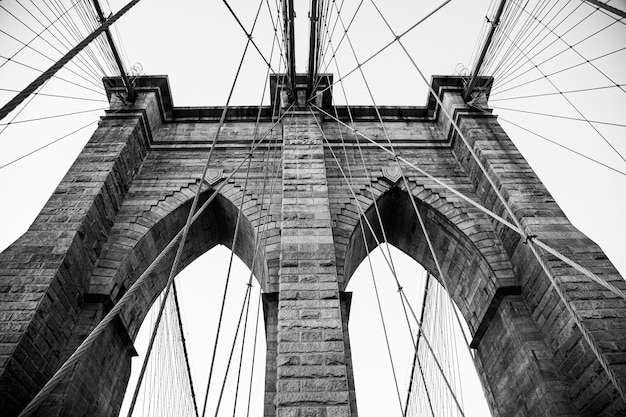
(33, 86)
(572, 48)
(517, 226)
(405, 181)
(55, 116)
(335, 49)
(248, 35)
(579, 54)
(11, 90)
(256, 331)
(75, 357)
(553, 56)
(378, 52)
(45, 40)
(56, 76)
(506, 22)
(509, 20)
(71, 28)
(47, 28)
(259, 232)
(47, 144)
(19, 111)
(184, 346)
(218, 329)
(530, 240)
(523, 35)
(275, 27)
(47, 57)
(372, 195)
(91, 20)
(590, 123)
(515, 59)
(379, 218)
(380, 310)
(563, 146)
(513, 56)
(416, 360)
(485, 210)
(328, 36)
(374, 199)
(232, 350)
(557, 72)
(558, 116)
(578, 90)
(393, 272)
(618, 19)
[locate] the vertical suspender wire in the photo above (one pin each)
(184, 346)
(246, 302)
(403, 177)
(416, 356)
(174, 268)
(256, 331)
(368, 258)
(517, 227)
(372, 196)
(529, 239)
(485, 210)
(390, 262)
(258, 231)
(206, 396)
(402, 292)
(408, 191)
(66, 368)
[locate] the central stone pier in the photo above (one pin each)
(312, 368)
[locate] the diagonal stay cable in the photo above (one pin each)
(558, 116)
(38, 35)
(396, 39)
(530, 240)
(401, 292)
(518, 227)
(578, 90)
(482, 208)
(405, 181)
(525, 83)
(184, 346)
(570, 103)
(248, 35)
(22, 64)
(50, 72)
(562, 146)
(11, 90)
(65, 369)
(47, 144)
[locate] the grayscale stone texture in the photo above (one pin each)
(129, 193)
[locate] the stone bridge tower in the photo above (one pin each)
(130, 190)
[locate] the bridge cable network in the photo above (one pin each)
(511, 55)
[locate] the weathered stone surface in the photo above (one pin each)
(129, 193)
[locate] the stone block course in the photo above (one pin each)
(128, 194)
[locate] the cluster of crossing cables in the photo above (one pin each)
(525, 57)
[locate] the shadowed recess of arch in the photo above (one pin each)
(215, 226)
(470, 279)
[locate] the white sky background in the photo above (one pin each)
(198, 45)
